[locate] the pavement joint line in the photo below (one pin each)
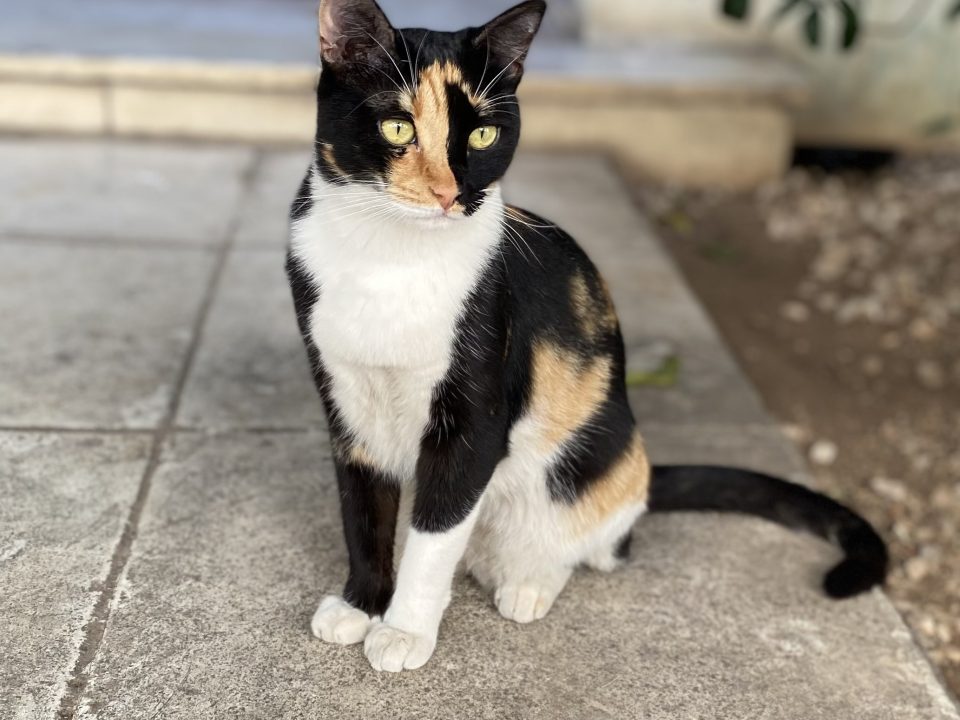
(95, 627)
(55, 430)
(15, 237)
(251, 430)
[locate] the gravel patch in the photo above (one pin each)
(840, 294)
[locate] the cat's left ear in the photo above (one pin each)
(508, 36)
(354, 31)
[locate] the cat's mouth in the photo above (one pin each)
(433, 216)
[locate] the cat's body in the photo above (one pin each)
(467, 353)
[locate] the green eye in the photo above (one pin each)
(398, 132)
(483, 137)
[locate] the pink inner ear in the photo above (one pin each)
(330, 34)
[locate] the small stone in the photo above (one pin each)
(901, 531)
(930, 374)
(832, 262)
(890, 341)
(923, 330)
(783, 228)
(823, 452)
(917, 568)
(797, 433)
(827, 301)
(889, 488)
(795, 311)
(872, 365)
(944, 496)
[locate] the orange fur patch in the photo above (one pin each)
(594, 314)
(608, 316)
(627, 482)
(349, 452)
(567, 391)
(426, 164)
(327, 152)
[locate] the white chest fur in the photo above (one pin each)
(392, 289)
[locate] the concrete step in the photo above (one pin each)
(246, 71)
(680, 114)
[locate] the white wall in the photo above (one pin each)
(902, 77)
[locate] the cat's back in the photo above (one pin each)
(556, 288)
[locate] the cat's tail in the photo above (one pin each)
(676, 488)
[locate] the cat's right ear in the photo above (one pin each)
(508, 36)
(354, 31)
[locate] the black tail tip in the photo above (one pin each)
(852, 577)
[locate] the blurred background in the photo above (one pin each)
(799, 159)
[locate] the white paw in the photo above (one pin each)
(524, 602)
(336, 621)
(388, 648)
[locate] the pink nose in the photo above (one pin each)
(446, 195)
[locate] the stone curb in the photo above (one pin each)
(678, 127)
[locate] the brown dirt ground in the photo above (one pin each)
(856, 352)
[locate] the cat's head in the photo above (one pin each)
(428, 118)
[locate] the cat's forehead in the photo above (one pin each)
(431, 56)
(433, 85)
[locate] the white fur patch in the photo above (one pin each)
(392, 650)
(335, 621)
(392, 288)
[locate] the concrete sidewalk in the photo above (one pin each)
(169, 517)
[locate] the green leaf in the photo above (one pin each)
(737, 9)
(678, 221)
(664, 376)
(851, 25)
(940, 126)
(811, 27)
(719, 251)
(954, 12)
(785, 9)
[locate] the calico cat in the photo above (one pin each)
(468, 354)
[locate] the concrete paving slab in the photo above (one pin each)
(713, 618)
(119, 190)
(710, 387)
(65, 500)
(251, 369)
(582, 194)
(240, 535)
(94, 336)
(263, 219)
(756, 447)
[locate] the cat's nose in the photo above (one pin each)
(446, 194)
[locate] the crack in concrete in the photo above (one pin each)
(93, 631)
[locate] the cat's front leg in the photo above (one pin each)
(407, 635)
(453, 471)
(368, 505)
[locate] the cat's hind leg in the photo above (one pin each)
(530, 599)
(518, 550)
